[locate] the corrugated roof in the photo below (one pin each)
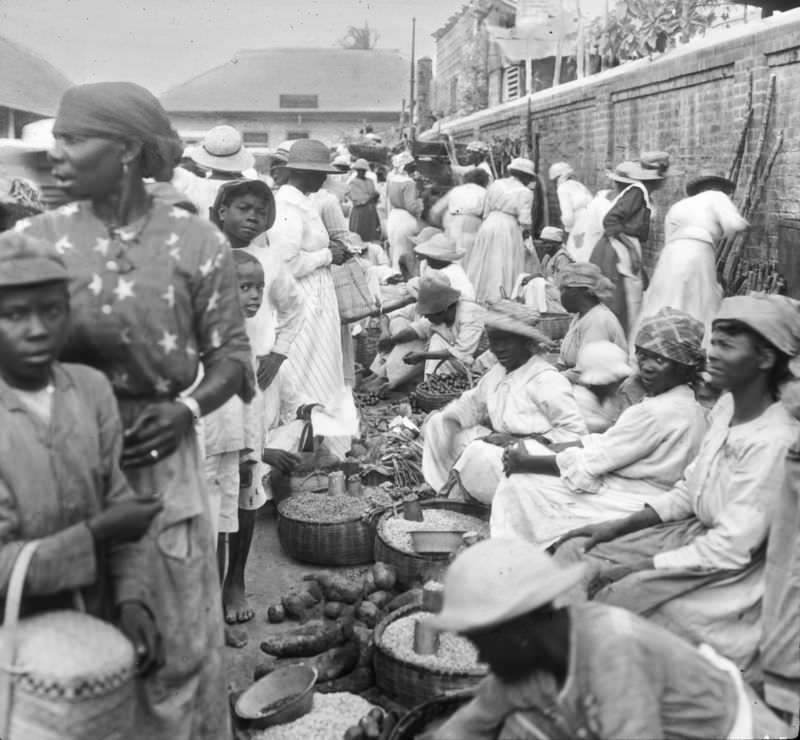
(253, 81)
(28, 82)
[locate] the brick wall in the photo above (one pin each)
(690, 103)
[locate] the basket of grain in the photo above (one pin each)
(327, 529)
(394, 545)
(555, 325)
(410, 678)
(438, 389)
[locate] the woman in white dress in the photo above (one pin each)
(498, 254)
(521, 396)
(405, 208)
(573, 200)
(610, 474)
(314, 365)
(464, 210)
(685, 276)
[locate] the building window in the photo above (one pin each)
(454, 94)
(256, 138)
(512, 84)
(299, 101)
(292, 135)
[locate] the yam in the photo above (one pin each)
(414, 596)
(301, 644)
(370, 728)
(294, 606)
(380, 598)
(333, 609)
(315, 591)
(361, 679)
(336, 662)
(369, 583)
(351, 593)
(385, 576)
(368, 613)
(276, 614)
(308, 599)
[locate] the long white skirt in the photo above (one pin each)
(497, 257)
(462, 227)
(439, 455)
(685, 278)
(540, 508)
(400, 227)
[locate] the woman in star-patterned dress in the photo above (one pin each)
(154, 294)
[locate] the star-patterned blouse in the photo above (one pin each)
(151, 300)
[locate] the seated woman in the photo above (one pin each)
(643, 454)
(692, 559)
(521, 396)
(601, 370)
(583, 290)
(540, 289)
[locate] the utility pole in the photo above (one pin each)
(413, 80)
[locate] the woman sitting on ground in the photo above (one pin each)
(521, 396)
(692, 559)
(583, 290)
(643, 454)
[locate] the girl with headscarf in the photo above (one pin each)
(573, 200)
(405, 208)
(692, 558)
(498, 255)
(521, 396)
(686, 276)
(154, 294)
(583, 292)
(643, 454)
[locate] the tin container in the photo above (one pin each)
(336, 483)
(354, 485)
(412, 511)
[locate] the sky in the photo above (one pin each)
(160, 43)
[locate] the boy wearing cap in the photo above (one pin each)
(60, 478)
(588, 671)
(440, 255)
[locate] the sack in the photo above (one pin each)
(352, 291)
(64, 675)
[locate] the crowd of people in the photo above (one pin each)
(171, 322)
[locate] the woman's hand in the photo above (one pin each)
(268, 366)
(140, 628)
(414, 358)
(126, 521)
(596, 533)
(280, 460)
(513, 458)
(339, 253)
(156, 433)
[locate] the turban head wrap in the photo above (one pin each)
(122, 110)
(774, 317)
(587, 275)
(675, 335)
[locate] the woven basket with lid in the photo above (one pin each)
(64, 675)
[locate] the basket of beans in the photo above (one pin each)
(438, 389)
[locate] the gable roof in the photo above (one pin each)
(27, 81)
(343, 80)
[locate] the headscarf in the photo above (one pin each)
(774, 317)
(515, 318)
(122, 110)
(587, 275)
(675, 335)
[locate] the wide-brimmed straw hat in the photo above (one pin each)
(360, 164)
(342, 161)
(497, 580)
(435, 296)
(602, 363)
(515, 318)
(310, 155)
(651, 166)
(708, 178)
(440, 247)
(425, 235)
(559, 169)
(222, 148)
(522, 165)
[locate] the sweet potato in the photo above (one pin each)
(294, 606)
(368, 613)
(308, 599)
(333, 609)
(385, 576)
(336, 662)
(369, 584)
(315, 590)
(301, 643)
(380, 598)
(276, 614)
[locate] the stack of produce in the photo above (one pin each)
(394, 455)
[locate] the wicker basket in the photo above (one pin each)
(555, 325)
(350, 542)
(412, 567)
(429, 401)
(411, 684)
(366, 343)
(316, 482)
(415, 722)
(64, 675)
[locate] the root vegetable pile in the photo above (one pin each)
(395, 529)
(330, 717)
(455, 654)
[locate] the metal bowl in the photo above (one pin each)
(295, 681)
(436, 543)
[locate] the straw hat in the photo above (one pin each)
(515, 318)
(310, 155)
(523, 166)
(478, 146)
(499, 579)
(559, 169)
(222, 148)
(426, 235)
(359, 164)
(342, 161)
(601, 363)
(708, 178)
(651, 166)
(399, 161)
(440, 247)
(435, 296)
